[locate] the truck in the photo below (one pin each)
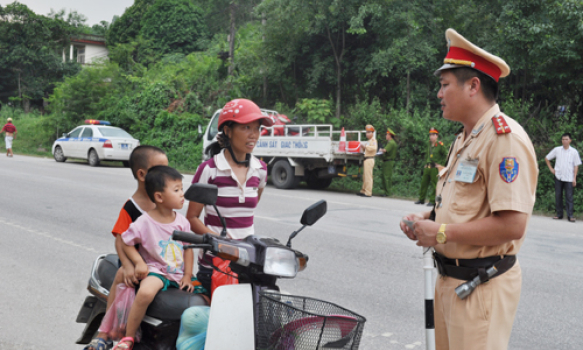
(300, 152)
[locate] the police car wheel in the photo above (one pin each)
(93, 158)
(59, 155)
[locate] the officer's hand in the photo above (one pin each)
(406, 229)
(575, 183)
(426, 230)
(553, 171)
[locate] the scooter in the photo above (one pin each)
(254, 314)
(250, 315)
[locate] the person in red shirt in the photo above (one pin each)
(10, 131)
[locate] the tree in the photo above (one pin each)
(126, 28)
(226, 17)
(319, 31)
(100, 29)
(173, 26)
(31, 53)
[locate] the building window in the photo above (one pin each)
(81, 55)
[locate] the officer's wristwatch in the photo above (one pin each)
(441, 238)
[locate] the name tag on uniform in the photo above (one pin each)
(466, 171)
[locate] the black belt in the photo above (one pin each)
(470, 268)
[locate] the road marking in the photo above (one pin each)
(47, 235)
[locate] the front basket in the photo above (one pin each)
(288, 322)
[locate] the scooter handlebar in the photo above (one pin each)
(188, 237)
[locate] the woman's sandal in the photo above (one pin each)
(99, 344)
(126, 343)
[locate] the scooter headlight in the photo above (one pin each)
(280, 262)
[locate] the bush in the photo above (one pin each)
(35, 134)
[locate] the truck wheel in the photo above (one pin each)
(282, 175)
(318, 184)
(93, 158)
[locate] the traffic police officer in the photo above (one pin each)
(370, 150)
(485, 198)
(388, 157)
(436, 154)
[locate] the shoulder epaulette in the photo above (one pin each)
(500, 125)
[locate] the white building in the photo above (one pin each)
(85, 49)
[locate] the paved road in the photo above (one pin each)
(55, 218)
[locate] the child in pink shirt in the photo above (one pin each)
(159, 261)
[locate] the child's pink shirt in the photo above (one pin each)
(163, 255)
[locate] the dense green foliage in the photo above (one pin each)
(173, 27)
(31, 49)
(343, 62)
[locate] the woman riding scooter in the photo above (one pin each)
(240, 177)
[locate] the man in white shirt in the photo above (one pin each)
(565, 171)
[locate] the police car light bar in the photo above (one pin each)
(97, 122)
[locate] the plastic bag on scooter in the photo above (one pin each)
(223, 276)
(193, 327)
(116, 318)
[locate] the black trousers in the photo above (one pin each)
(559, 187)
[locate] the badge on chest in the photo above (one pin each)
(466, 171)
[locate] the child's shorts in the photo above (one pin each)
(198, 288)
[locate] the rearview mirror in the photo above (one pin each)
(202, 193)
(65, 135)
(314, 212)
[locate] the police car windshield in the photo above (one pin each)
(113, 132)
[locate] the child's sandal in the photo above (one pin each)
(126, 343)
(98, 344)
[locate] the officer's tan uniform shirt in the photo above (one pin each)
(370, 150)
(465, 202)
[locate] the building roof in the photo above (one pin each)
(89, 39)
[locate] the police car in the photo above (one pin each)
(95, 141)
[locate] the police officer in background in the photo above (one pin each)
(436, 154)
(485, 196)
(389, 154)
(370, 150)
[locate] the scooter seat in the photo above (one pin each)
(107, 269)
(170, 304)
(167, 305)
